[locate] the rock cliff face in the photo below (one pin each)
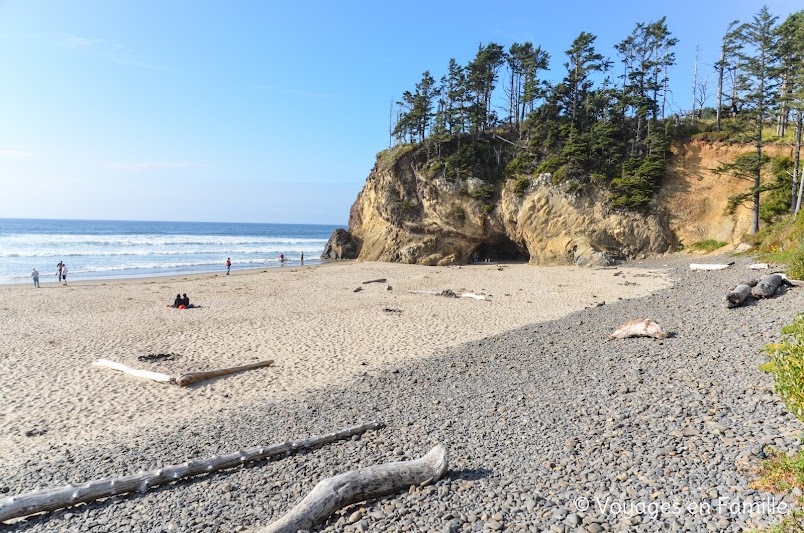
(402, 215)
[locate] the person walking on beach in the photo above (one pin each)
(35, 276)
(228, 265)
(64, 273)
(301, 257)
(282, 259)
(59, 267)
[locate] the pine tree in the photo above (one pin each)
(759, 62)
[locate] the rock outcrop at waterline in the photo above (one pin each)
(409, 215)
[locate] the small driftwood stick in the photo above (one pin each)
(52, 499)
(767, 286)
(194, 377)
(736, 296)
(381, 280)
(337, 492)
(145, 374)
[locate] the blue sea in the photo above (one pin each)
(95, 249)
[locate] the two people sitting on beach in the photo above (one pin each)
(182, 302)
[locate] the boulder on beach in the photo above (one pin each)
(341, 245)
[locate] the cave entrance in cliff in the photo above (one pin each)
(501, 249)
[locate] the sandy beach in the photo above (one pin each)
(309, 320)
(539, 413)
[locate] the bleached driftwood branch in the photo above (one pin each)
(337, 492)
(194, 377)
(52, 499)
(145, 374)
(184, 379)
(710, 266)
(451, 294)
(759, 266)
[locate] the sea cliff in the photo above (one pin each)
(410, 213)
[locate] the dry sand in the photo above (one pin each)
(309, 320)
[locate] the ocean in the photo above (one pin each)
(103, 249)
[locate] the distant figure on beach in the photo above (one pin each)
(178, 301)
(301, 257)
(64, 273)
(186, 301)
(35, 276)
(282, 259)
(59, 267)
(228, 265)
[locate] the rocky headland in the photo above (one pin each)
(409, 212)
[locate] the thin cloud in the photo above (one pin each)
(74, 41)
(14, 154)
(155, 165)
(120, 60)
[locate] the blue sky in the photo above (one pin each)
(258, 111)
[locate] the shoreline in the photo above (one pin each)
(160, 278)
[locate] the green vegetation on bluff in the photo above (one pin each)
(607, 126)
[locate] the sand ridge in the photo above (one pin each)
(310, 320)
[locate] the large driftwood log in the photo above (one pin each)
(144, 374)
(183, 380)
(337, 492)
(767, 286)
(52, 499)
(736, 296)
(194, 377)
(708, 266)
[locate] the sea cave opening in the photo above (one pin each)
(500, 249)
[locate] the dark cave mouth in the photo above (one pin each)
(502, 249)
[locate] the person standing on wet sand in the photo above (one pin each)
(64, 273)
(59, 267)
(228, 265)
(35, 276)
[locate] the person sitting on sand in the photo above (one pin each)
(178, 301)
(186, 301)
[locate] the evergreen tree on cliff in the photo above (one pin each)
(759, 62)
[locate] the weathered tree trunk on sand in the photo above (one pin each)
(183, 380)
(381, 280)
(337, 492)
(736, 296)
(52, 499)
(708, 266)
(767, 286)
(144, 374)
(194, 377)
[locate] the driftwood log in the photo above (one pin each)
(712, 266)
(381, 280)
(184, 379)
(52, 499)
(194, 377)
(737, 295)
(767, 286)
(144, 374)
(337, 492)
